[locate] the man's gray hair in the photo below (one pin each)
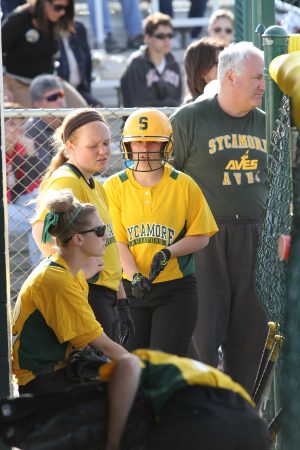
(234, 55)
(41, 84)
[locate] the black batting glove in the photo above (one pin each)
(159, 262)
(140, 285)
(123, 327)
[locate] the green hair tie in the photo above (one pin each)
(51, 219)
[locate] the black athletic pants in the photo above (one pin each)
(165, 319)
(207, 418)
(102, 301)
(229, 312)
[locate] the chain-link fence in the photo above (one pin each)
(28, 152)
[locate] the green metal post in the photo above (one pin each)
(263, 12)
(243, 20)
(275, 43)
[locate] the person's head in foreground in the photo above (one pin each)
(241, 78)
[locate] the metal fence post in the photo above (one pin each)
(275, 43)
(5, 369)
(263, 12)
(243, 20)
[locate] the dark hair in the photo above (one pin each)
(73, 216)
(65, 23)
(199, 58)
(153, 21)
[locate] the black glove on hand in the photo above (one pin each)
(123, 327)
(159, 262)
(140, 285)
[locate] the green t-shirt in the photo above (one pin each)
(225, 155)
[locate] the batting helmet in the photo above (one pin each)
(147, 124)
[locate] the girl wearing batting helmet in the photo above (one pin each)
(160, 217)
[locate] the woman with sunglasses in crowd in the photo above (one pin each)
(30, 36)
(83, 150)
(221, 25)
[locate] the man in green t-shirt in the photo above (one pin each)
(221, 143)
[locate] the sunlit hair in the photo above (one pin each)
(153, 21)
(73, 215)
(232, 57)
(221, 14)
(70, 127)
(199, 58)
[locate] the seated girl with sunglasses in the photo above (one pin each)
(52, 314)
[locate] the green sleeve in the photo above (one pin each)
(181, 148)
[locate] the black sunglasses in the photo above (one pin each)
(58, 7)
(100, 232)
(55, 96)
(163, 36)
(227, 30)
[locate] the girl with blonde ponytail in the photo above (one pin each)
(83, 149)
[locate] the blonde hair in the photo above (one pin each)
(221, 14)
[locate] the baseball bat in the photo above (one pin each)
(264, 385)
(265, 354)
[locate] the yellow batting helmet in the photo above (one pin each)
(148, 124)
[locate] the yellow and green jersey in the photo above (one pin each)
(52, 315)
(148, 219)
(69, 177)
(163, 374)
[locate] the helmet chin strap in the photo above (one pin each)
(134, 165)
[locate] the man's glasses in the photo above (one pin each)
(219, 29)
(100, 232)
(163, 36)
(58, 7)
(55, 96)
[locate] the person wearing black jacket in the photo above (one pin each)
(30, 36)
(152, 76)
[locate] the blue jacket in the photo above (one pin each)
(79, 44)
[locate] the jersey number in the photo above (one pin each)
(143, 122)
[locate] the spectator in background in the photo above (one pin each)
(75, 62)
(197, 9)
(201, 65)
(22, 179)
(152, 76)
(132, 18)
(30, 41)
(46, 92)
(221, 25)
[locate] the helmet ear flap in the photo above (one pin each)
(126, 150)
